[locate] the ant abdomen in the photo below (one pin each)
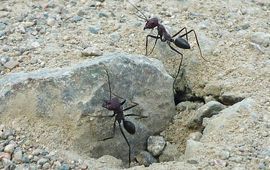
(181, 43)
(129, 126)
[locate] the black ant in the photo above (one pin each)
(164, 36)
(114, 104)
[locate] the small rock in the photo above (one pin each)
(224, 154)
(236, 159)
(230, 99)
(110, 160)
(37, 151)
(208, 110)
(94, 29)
(145, 158)
(192, 147)
(64, 167)
(187, 105)
(9, 148)
(91, 51)
(8, 164)
(102, 14)
(35, 44)
(18, 155)
(155, 145)
(192, 161)
(2, 26)
(115, 37)
(81, 13)
(46, 166)
(11, 64)
(51, 21)
(76, 18)
(34, 61)
(5, 155)
(26, 159)
(261, 38)
(83, 166)
(196, 136)
(170, 153)
(220, 163)
(208, 99)
(42, 161)
(2, 34)
(4, 59)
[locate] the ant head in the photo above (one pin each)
(113, 104)
(151, 23)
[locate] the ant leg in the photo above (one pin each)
(178, 71)
(105, 116)
(140, 116)
(180, 32)
(146, 45)
(196, 41)
(113, 132)
(135, 104)
(129, 150)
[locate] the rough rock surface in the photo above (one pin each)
(73, 96)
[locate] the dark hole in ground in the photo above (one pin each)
(186, 95)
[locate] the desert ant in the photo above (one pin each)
(114, 104)
(164, 36)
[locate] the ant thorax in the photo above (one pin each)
(163, 33)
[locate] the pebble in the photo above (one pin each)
(76, 18)
(35, 44)
(115, 37)
(37, 152)
(46, 166)
(5, 155)
(187, 105)
(2, 26)
(196, 136)
(145, 158)
(224, 154)
(208, 110)
(94, 29)
(11, 64)
(261, 38)
(2, 34)
(230, 98)
(4, 59)
(103, 14)
(91, 51)
(18, 155)
(64, 167)
(42, 161)
(170, 153)
(9, 148)
(155, 145)
(51, 21)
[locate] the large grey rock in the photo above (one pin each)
(74, 95)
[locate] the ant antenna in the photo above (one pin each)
(144, 17)
(108, 76)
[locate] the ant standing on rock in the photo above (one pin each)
(164, 36)
(114, 104)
